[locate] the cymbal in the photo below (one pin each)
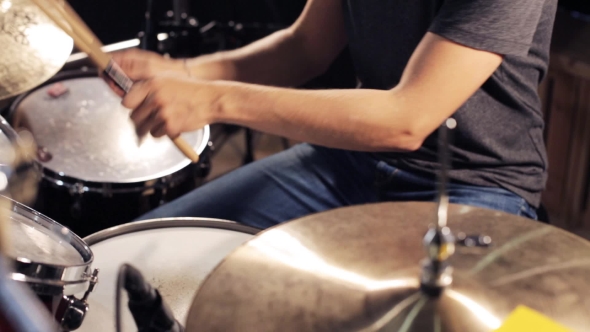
(358, 269)
(33, 48)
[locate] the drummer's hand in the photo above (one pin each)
(170, 105)
(141, 65)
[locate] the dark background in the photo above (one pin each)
(117, 20)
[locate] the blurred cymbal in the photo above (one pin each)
(358, 269)
(33, 48)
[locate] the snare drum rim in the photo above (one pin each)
(151, 224)
(61, 179)
(7, 129)
(12, 136)
(47, 273)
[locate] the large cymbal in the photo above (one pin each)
(33, 48)
(358, 268)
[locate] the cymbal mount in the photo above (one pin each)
(439, 241)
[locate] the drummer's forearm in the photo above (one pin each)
(277, 60)
(362, 120)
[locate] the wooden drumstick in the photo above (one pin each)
(66, 18)
(5, 238)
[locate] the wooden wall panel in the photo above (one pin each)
(566, 104)
(577, 183)
(582, 207)
(561, 98)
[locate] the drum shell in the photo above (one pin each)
(106, 205)
(87, 207)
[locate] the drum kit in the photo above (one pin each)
(359, 268)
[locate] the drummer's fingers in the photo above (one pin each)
(133, 64)
(159, 130)
(152, 121)
(114, 87)
(136, 96)
(141, 113)
(165, 128)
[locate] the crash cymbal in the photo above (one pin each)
(358, 269)
(33, 48)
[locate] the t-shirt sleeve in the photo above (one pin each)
(500, 26)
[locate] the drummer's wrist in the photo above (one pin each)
(177, 66)
(209, 67)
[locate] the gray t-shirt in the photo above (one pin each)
(499, 137)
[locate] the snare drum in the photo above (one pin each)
(96, 174)
(174, 255)
(52, 260)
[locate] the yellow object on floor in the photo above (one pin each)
(524, 319)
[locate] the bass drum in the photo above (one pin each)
(174, 255)
(96, 173)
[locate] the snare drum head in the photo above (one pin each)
(36, 238)
(89, 135)
(174, 260)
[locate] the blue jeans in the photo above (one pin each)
(307, 179)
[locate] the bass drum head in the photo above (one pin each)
(87, 134)
(174, 255)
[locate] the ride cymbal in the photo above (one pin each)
(358, 269)
(33, 48)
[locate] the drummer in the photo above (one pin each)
(418, 63)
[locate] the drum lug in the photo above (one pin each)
(107, 190)
(92, 283)
(78, 189)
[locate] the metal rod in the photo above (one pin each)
(443, 177)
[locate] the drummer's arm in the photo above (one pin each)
(289, 57)
(440, 76)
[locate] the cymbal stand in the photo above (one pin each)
(439, 241)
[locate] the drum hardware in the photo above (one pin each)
(439, 242)
(182, 30)
(33, 48)
(187, 37)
